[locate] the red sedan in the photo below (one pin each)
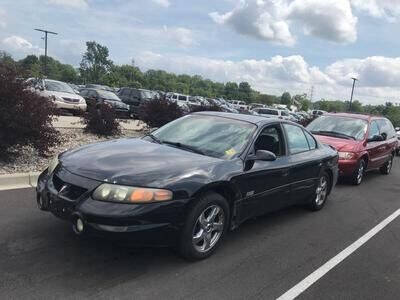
(364, 142)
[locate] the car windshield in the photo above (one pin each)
(341, 127)
(58, 86)
(146, 94)
(108, 95)
(213, 136)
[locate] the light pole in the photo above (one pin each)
(45, 47)
(352, 90)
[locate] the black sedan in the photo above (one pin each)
(190, 181)
(94, 97)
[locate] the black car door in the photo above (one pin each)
(305, 161)
(264, 184)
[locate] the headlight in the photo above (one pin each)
(127, 194)
(346, 155)
(53, 164)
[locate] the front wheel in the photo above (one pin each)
(359, 173)
(387, 167)
(205, 227)
(321, 193)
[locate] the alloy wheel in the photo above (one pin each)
(322, 191)
(360, 173)
(208, 228)
(389, 165)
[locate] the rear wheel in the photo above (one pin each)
(205, 227)
(359, 173)
(321, 193)
(387, 167)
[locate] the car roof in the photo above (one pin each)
(258, 120)
(355, 116)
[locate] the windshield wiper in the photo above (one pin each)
(184, 147)
(154, 138)
(333, 133)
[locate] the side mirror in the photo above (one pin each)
(263, 155)
(376, 138)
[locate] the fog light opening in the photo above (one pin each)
(78, 226)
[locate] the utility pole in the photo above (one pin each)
(45, 47)
(352, 90)
(312, 93)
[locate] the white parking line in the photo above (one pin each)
(329, 265)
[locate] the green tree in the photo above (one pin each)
(95, 63)
(286, 99)
(231, 90)
(7, 60)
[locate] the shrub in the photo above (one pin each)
(25, 117)
(101, 120)
(158, 112)
(205, 108)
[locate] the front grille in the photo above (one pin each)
(71, 100)
(67, 190)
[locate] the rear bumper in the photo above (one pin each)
(141, 224)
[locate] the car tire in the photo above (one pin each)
(321, 192)
(205, 227)
(358, 175)
(387, 167)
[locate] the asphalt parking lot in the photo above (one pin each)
(40, 257)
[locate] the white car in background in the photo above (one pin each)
(239, 104)
(273, 113)
(181, 100)
(60, 93)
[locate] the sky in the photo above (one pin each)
(275, 45)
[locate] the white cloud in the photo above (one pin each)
(379, 77)
(3, 23)
(264, 20)
(388, 9)
(70, 3)
(272, 20)
(183, 37)
(331, 20)
(20, 46)
(164, 3)
(374, 71)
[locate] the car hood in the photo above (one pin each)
(338, 143)
(117, 104)
(137, 162)
(62, 95)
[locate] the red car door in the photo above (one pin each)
(387, 130)
(374, 148)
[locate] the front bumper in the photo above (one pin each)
(143, 224)
(347, 167)
(71, 106)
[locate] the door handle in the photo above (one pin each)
(285, 173)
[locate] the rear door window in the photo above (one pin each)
(297, 141)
